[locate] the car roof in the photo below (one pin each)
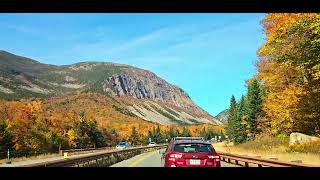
(191, 142)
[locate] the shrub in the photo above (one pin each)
(312, 147)
(266, 143)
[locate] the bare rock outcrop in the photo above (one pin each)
(299, 138)
(142, 84)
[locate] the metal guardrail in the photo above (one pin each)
(260, 162)
(77, 161)
(78, 151)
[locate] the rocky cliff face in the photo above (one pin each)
(142, 84)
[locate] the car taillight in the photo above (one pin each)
(175, 156)
(172, 159)
(216, 158)
(213, 157)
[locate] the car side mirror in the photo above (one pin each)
(162, 151)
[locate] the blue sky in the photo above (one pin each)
(208, 55)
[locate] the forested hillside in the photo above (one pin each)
(86, 120)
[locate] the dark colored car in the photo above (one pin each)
(189, 152)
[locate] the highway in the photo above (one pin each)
(150, 159)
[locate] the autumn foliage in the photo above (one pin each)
(88, 120)
(289, 67)
(287, 97)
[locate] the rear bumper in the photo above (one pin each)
(195, 166)
(204, 166)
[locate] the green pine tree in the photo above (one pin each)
(134, 137)
(171, 133)
(254, 107)
(149, 136)
(222, 136)
(6, 139)
(231, 118)
(240, 131)
(158, 138)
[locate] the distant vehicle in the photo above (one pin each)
(122, 145)
(189, 152)
(152, 144)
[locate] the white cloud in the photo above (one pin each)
(20, 28)
(163, 46)
(141, 40)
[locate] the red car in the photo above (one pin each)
(189, 152)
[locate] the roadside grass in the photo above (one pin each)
(45, 156)
(274, 147)
(313, 147)
(267, 144)
(42, 156)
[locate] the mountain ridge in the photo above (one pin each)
(22, 77)
(223, 116)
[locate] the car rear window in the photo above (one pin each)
(193, 148)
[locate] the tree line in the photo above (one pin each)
(243, 115)
(164, 136)
(30, 128)
(284, 95)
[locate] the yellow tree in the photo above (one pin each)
(289, 67)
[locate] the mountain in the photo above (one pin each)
(223, 116)
(140, 91)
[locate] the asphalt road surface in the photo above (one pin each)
(150, 159)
